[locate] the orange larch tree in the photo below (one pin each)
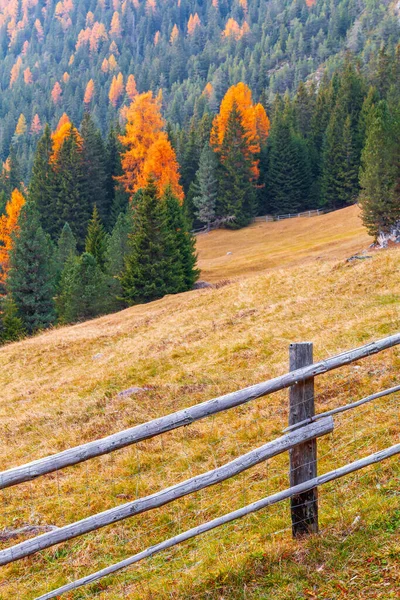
(253, 118)
(56, 93)
(36, 125)
(89, 92)
(28, 77)
(115, 29)
(194, 21)
(8, 229)
(116, 89)
(130, 88)
(148, 150)
(174, 34)
(21, 126)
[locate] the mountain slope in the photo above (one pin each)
(61, 388)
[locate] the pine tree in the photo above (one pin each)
(117, 251)
(380, 171)
(32, 275)
(41, 186)
(184, 241)
(153, 267)
(117, 197)
(83, 290)
(96, 239)
(236, 190)
(206, 187)
(66, 245)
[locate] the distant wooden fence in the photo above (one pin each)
(300, 439)
(307, 213)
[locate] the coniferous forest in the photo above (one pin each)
(126, 125)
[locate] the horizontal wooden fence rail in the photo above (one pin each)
(344, 408)
(167, 495)
(148, 430)
(237, 514)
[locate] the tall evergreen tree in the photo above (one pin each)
(184, 241)
(380, 171)
(11, 325)
(153, 267)
(72, 204)
(31, 278)
(117, 251)
(66, 245)
(236, 189)
(96, 239)
(94, 168)
(41, 186)
(118, 199)
(206, 189)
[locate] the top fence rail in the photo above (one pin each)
(84, 452)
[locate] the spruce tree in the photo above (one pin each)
(379, 172)
(31, 279)
(184, 241)
(94, 163)
(118, 199)
(41, 186)
(83, 290)
(206, 187)
(153, 267)
(11, 325)
(72, 204)
(96, 239)
(66, 245)
(236, 189)
(117, 251)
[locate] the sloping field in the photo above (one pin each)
(336, 235)
(62, 388)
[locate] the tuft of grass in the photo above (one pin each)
(61, 388)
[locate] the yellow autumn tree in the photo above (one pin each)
(148, 150)
(130, 88)
(89, 92)
(63, 131)
(21, 126)
(116, 89)
(8, 229)
(254, 121)
(174, 34)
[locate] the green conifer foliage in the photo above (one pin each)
(96, 239)
(11, 325)
(66, 245)
(95, 175)
(117, 251)
(153, 267)
(236, 191)
(117, 197)
(41, 186)
(206, 189)
(184, 241)
(380, 171)
(31, 279)
(83, 290)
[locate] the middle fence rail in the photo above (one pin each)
(299, 439)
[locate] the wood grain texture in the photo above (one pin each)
(186, 416)
(167, 495)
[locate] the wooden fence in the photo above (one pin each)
(300, 439)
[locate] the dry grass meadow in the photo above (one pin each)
(283, 282)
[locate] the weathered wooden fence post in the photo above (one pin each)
(303, 458)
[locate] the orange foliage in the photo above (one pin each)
(215, 3)
(130, 88)
(115, 29)
(116, 89)
(112, 63)
(62, 13)
(113, 48)
(174, 34)
(245, 29)
(208, 90)
(157, 37)
(116, 4)
(89, 19)
(104, 66)
(15, 70)
(8, 229)
(39, 30)
(66, 77)
(310, 3)
(64, 130)
(28, 78)
(56, 93)
(71, 60)
(151, 7)
(232, 29)
(148, 150)
(243, 4)
(253, 117)
(194, 21)
(25, 47)
(89, 92)
(21, 126)
(36, 125)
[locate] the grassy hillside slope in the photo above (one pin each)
(61, 388)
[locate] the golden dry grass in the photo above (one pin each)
(262, 246)
(61, 388)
